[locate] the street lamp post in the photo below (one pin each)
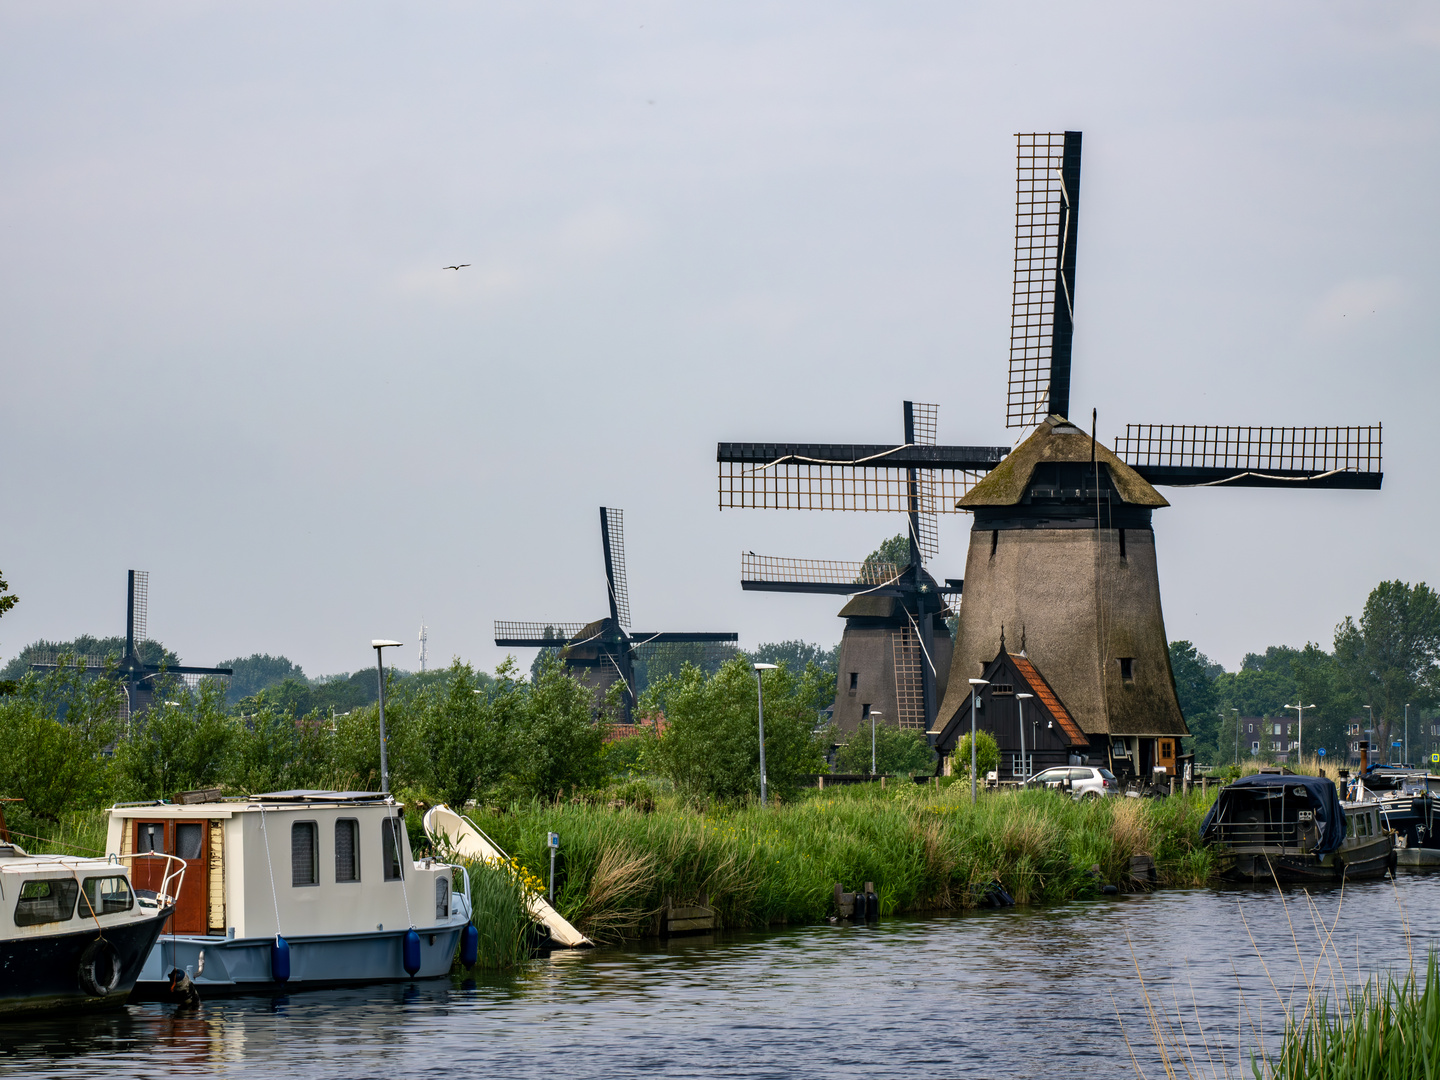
(1407, 733)
(1024, 766)
(1370, 731)
(1299, 729)
(760, 690)
(379, 645)
(975, 685)
(873, 714)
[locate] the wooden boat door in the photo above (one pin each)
(190, 841)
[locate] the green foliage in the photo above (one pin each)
(7, 599)
(711, 747)
(500, 913)
(898, 751)
(1392, 655)
(258, 671)
(182, 743)
(894, 550)
(106, 648)
(797, 656)
(558, 743)
(987, 755)
(463, 742)
(54, 729)
(1195, 687)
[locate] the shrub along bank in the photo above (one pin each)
(926, 849)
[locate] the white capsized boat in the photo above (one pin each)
(305, 888)
(450, 831)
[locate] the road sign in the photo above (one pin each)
(1435, 759)
(1321, 751)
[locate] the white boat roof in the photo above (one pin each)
(16, 860)
(253, 803)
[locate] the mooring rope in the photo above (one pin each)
(275, 899)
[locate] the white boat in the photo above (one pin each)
(456, 833)
(295, 888)
(74, 932)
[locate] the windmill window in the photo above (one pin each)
(864, 712)
(1122, 543)
(1127, 668)
(1003, 689)
(994, 541)
(854, 681)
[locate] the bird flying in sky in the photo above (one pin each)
(457, 266)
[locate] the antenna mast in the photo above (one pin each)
(424, 645)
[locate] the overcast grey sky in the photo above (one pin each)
(230, 355)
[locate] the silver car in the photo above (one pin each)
(1081, 781)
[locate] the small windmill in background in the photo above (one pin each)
(892, 660)
(135, 674)
(606, 650)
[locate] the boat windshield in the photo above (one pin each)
(45, 900)
(106, 896)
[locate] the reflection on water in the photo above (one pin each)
(1021, 992)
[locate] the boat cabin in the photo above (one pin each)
(289, 862)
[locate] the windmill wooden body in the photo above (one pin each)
(605, 651)
(1062, 550)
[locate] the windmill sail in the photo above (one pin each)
(612, 534)
(1192, 455)
(1047, 200)
(920, 426)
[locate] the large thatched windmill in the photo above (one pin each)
(1062, 554)
(605, 651)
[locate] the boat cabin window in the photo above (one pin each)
(304, 858)
(189, 839)
(46, 900)
(106, 896)
(150, 836)
(347, 850)
(442, 898)
(390, 848)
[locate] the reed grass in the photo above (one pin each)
(499, 914)
(925, 848)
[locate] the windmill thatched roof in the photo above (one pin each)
(1056, 439)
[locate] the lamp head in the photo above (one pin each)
(1024, 697)
(384, 643)
(765, 667)
(979, 682)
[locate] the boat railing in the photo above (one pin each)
(1287, 833)
(174, 873)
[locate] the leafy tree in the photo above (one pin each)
(898, 751)
(796, 655)
(987, 754)
(7, 599)
(1195, 688)
(54, 729)
(894, 550)
(257, 671)
(711, 745)
(273, 751)
(179, 744)
(466, 742)
(1392, 655)
(558, 743)
(657, 661)
(107, 648)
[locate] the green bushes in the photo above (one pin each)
(926, 848)
(897, 751)
(711, 744)
(500, 913)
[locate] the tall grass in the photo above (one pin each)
(925, 849)
(499, 913)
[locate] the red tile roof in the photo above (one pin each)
(1041, 689)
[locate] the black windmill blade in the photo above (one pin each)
(612, 535)
(1042, 319)
(1187, 455)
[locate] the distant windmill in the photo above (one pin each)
(137, 676)
(1062, 548)
(604, 652)
(891, 660)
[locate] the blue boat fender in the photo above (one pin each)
(280, 959)
(470, 946)
(411, 957)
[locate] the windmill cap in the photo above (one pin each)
(1056, 439)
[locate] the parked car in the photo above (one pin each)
(1082, 781)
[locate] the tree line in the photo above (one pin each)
(1386, 659)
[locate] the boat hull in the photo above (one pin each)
(1427, 857)
(1353, 862)
(42, 973)
(219, 966)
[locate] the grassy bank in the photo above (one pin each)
(925, 849)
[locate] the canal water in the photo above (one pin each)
(1011, 993)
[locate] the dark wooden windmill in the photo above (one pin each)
(1061, 549)
(137, 676)
(605, 651)
(892, 659)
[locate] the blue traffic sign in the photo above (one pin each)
(1321, 751)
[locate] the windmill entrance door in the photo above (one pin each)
(190, 841)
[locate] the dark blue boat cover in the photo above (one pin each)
(1323, 797)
